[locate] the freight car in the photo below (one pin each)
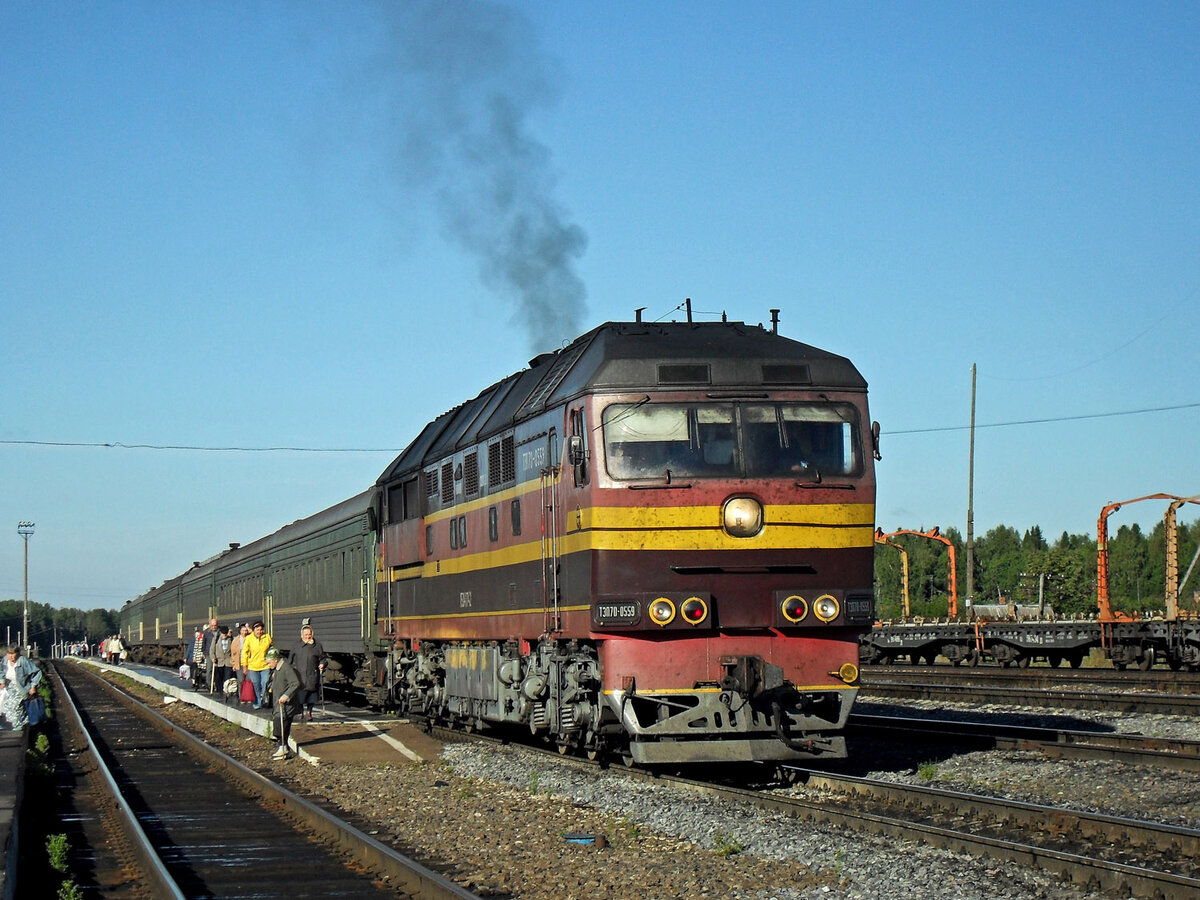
(1171, 636)
(657, 540)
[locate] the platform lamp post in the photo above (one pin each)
(25, 530)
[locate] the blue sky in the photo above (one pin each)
(261, 225)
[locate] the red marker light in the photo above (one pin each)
(694, 610)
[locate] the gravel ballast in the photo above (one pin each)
(507, 822)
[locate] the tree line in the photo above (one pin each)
(45, 622)
(1011, 567)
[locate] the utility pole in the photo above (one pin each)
(971, 501)
(25, 530)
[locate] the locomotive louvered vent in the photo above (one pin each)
(786, 373)
(553, 378)
(684, 373)
(494, 477)
(508, 459)
(431, 483)
(471, 474)
(502, 462)
(448, 482)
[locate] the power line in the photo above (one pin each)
(1108, 415)
(120, 445)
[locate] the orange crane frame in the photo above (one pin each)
(1104, 604)
(1171, 533)
(934, 535)
(881, 539)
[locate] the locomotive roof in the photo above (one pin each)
(629, 356)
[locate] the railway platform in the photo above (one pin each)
(12, 785)
(337, 734)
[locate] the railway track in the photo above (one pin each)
(1134, 857)
(918, 686)
(1129, 856)
(1131, 749)
(201, 825)
(1163, 682)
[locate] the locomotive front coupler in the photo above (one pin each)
(750, 675)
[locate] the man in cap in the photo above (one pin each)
(284, 686)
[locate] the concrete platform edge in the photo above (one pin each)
(237, 716)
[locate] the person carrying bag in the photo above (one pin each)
(21, 679)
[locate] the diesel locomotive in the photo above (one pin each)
(656, 541)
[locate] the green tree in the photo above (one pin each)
(1001, 563)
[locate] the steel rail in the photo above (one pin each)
(1158, 681)
(411, 877)
(1113, 830)
(1169, 704)
(159, 880)
(1172, 753)
(1110, 875)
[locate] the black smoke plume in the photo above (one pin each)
(467, 75)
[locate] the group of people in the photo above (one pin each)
(112, 649)
(292, 686)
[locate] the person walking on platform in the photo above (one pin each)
(309, 662)
(211, 635)
(197, 658)
(254, 660)
(21, 679)
(235, 652)
(115, 648)
(285, 684)
(222, 655)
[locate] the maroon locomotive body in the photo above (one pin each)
(657, 540)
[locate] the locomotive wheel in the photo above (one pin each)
(1175, 664)
(1076, 660)
(973, 658)
(1024, 661)
(1147, 660)
(1055, 660)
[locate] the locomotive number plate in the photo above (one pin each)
(622, 612)
(858, 608)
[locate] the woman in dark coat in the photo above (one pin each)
(309, 662)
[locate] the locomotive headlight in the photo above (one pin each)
(662, 611)
(742, 517)
(848, 672)
(694, 610)
(795, 608)
(826, 607)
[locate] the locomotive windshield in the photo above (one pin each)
(721, 440)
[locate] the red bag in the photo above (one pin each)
(247, 692)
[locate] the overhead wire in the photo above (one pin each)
(1049, 420)
(121, 445)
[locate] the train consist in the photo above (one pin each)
(657, 541)
(987, 633)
